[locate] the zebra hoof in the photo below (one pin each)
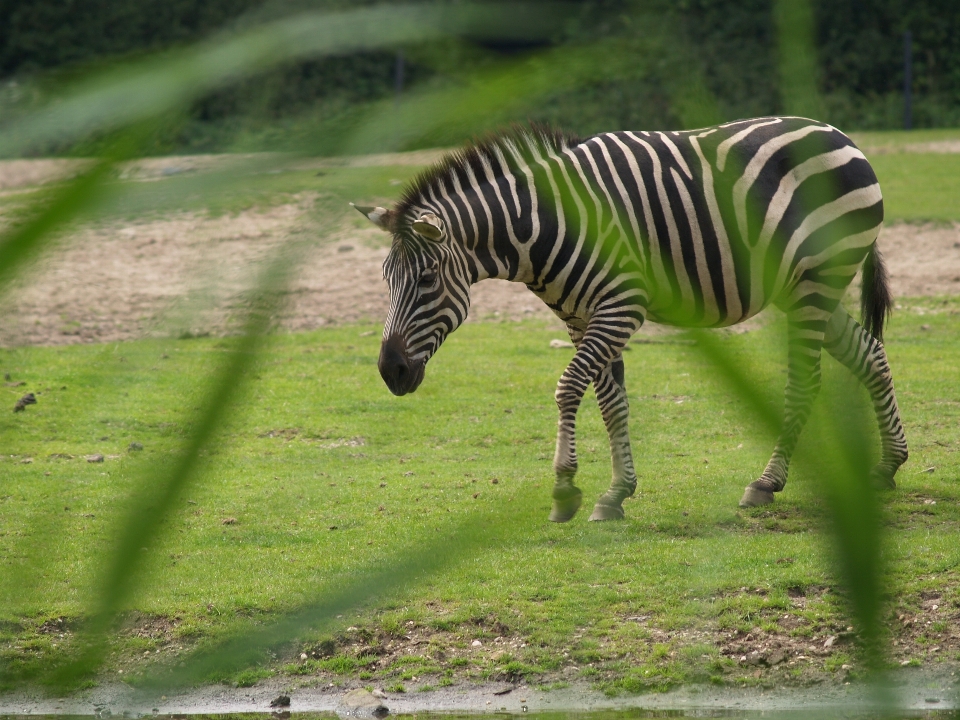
(606, 512)
(565, 504)
(882, 479)
(754, 497)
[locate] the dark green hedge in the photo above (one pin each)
(730, 44)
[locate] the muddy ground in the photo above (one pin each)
(907, 690)
(188, 273)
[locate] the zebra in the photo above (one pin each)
(700, 228)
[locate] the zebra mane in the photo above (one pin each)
(531, 142)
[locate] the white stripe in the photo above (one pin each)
(532, 186)
(729, 269)
(755, 167)
(711, 313)
(778, 206)
(627, 247)
(724, 148)
(679, 271)
(676, 155)
(854, 200)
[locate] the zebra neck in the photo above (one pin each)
(496, 231)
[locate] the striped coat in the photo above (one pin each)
(700, 228)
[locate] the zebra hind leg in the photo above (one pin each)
(612, 397)
(805, 340)
(864, 356)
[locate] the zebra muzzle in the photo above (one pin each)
(400, 374)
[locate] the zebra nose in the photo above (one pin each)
(394, 368)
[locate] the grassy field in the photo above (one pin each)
(322, 475)
(321, 478)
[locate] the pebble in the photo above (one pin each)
(476, 643)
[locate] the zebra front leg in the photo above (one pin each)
(864, 356)
(567, 497)
(805, 340)
(599, 344)
(612, 397)
(570, 389)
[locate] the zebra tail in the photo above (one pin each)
(876, 302)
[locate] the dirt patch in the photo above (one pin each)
(922, 259)
(187, 274)
(937, 147)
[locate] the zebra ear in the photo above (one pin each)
(429, 226)
(381, 217)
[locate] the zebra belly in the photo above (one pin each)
(678, 320)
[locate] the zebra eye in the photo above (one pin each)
(428, 277)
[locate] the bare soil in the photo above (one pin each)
(187, 274)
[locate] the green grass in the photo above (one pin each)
(919, 186)
(322, 474)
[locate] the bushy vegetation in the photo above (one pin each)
(728, 46)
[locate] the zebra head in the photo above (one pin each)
(429, 294)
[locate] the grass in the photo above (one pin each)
(324, 474)
(919, 186)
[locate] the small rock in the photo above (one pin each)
(476, 643)
(303, 656)
(776, 657)
(96, 458)
(828, 643)
(26, 461)
(280, 701)
(558, 344)
(135, 447)
(364, 702)
(28, 399)
(755, 658)
(846, 668)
